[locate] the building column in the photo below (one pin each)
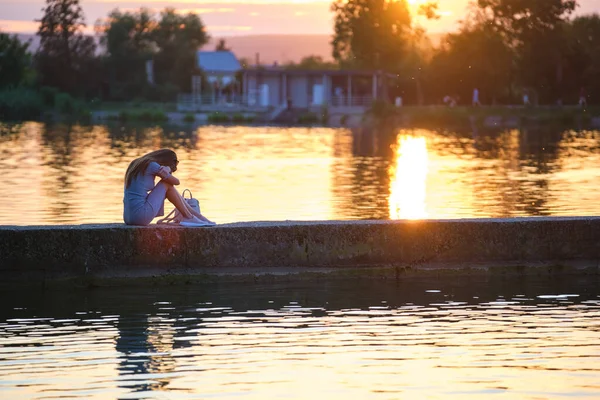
(245, 88)
(374, 86)
(285, 89)
(349, 93)
(324, 97)
(309, 83)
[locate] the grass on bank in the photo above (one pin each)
(438, 116)
(19, 104)
(224, 118)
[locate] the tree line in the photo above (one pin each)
(505, 48)
(70, 64)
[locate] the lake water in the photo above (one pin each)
(74, 174)
(437, 338)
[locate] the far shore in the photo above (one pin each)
(428, 117)
(417, 116)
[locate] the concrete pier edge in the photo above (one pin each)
(115, 253)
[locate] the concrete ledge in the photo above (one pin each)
(111, 251)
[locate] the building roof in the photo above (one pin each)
(218, 61)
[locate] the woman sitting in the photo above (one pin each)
(143, 200)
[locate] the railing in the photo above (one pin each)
(213, 102)
(351, 101)
(276, 113)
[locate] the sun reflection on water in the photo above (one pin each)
(408, 185)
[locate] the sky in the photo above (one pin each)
(237, 17)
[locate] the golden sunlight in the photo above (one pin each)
(408, 179)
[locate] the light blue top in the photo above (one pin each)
(143, 201)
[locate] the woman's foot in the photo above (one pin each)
(203, 218)
(194, 222)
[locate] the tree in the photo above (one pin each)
(518, 19)
(14, 61)
(312, 62)
(583, 66)
(170, 42)
(474, 57)
(127, 39)
(177, 39)
(371, 34)
(65, 54)
(222, 46)
(535, 28)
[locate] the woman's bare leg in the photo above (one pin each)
(174, 197)
(196, 213)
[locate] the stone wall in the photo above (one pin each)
(54, 252)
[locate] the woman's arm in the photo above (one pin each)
(165, 175)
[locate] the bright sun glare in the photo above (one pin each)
(409, 178)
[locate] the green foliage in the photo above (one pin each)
(313, 63)
(344, 119)
(474, 57)
(127, 37)
(218, 118)
(170, 41)
(242, 119)
(142, 115)
(66, 104)
(164, 93)
(381, 109)
(49, 94)
(308, 119)
(177, 39)
(371, 33)
(583, 67)
(324, 115)
(20, 104)
(238, 118)
(189, 118)
(534, 30)
(14, 61)
(521, 20)
(65, 58)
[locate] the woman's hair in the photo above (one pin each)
(139, 165)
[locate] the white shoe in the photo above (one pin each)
(209, 222)
(193, 222)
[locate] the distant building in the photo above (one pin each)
(219, 68)
(276, 86)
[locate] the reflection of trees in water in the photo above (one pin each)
(529, 156)
(523, 158)
(538, 155)
(59, 157)
(8, 130)
(127, 137)
(360, 179)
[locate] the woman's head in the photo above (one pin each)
(164, 157)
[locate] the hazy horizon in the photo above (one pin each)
(238, 17)
(228, 17)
